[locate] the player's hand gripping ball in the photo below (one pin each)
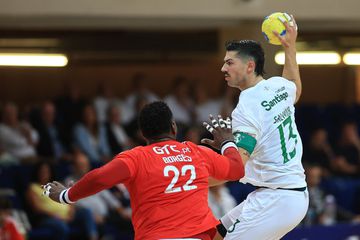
(274, 22)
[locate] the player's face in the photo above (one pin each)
(235, 69)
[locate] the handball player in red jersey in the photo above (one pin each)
(167, 180)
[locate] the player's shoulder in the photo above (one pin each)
(134, 152)
(279, 80)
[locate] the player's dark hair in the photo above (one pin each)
(155, 119)
(249, 49)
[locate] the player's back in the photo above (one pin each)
(168, 190)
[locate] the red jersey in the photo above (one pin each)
(168, 186)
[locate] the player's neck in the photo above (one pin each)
(161, 138)
(251, 81)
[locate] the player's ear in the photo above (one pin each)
(173, 127)
(250, 66)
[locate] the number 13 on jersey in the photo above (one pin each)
(286, 127)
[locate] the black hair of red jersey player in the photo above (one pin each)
(156, 122)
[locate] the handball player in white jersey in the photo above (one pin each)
(267, 138)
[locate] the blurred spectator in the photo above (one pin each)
(140, 88)
(180, 102)
(90, 137)
(193, 134)
(228, 100)
(52, 215)
(103, 100)
(132, 128)
(220, 200)
(203, 105)
(8, 226)
(349, 148)
(69, 107)
(16, 137)
(322, 207)
(116, 135)
(318, 151)
(104, 206)
(6, 159)
(181, 105)
(50, 143)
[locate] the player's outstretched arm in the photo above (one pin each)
(288, 41)
(114, 172)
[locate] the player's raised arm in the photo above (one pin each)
(288, 41)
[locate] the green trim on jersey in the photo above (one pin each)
(245, 141)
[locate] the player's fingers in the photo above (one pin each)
(56, 183)
(281, 39)
(214, 122)
(228, 122)
(294, 21)
(208, 127)
(46, 188)
(222, 122)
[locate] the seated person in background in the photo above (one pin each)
(349, 148)
(318, 151)
(16, 137)
(50, 143)
(220, 200)
(8, 226)
(104, 206)
(116, 135)
(322, 207)
(90, 137)
(52, 215)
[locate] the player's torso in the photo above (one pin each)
(277, 156)
(170, 190)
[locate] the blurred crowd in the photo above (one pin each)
(65, 137)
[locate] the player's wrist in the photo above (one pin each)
(227, 144)
(64, 197)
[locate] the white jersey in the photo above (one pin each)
(266, 111)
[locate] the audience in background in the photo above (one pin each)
(90, 137)
(323, 208)
(349, 148)
(50, 144)
(80, 133)
(140, 89)
(103, 100)
(204, 105)
(46, 213)
(17, 137)
(104, 206)
(9, 229)
(319, 151)
(117, 137)
(181, 103)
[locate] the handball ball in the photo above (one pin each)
(273, 23)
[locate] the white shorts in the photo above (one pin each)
(266, 214)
